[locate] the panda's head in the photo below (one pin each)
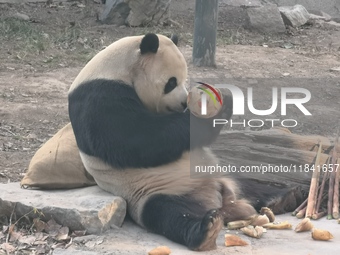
(160, 74)
(151, 64)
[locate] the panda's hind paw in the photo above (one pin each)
(211, 224)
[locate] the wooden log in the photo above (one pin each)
(271, 147)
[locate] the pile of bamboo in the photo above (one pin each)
(323, 174)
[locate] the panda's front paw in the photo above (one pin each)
(227, 108)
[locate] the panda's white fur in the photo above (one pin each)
(121, 61)
(141, 151)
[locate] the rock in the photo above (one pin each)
(115, 12)
(316, 17)
(148, 12)
(266, 19)
(135, 12)
(21, 16)
(72, 251)
(335, 69)
(336, 20)
(237, 3)
(332, 25)
(294, 16)
(90, 209)
(84, 239)
(316, 14)
(332, 7)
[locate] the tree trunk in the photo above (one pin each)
(206, 14)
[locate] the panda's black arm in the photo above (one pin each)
(111, 123)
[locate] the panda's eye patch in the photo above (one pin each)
(170, 85)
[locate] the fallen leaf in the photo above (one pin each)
(63, 234)
(4, 229)
(42, 249)
(8, 247)
(39, 225)
(52, 228)
(78, 233)
(14, 236)
(27, 239)
(40, 236)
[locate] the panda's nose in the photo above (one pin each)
(185, 105)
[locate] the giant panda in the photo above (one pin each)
(127, 109)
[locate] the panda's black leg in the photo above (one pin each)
(280, 199)
(182, 220)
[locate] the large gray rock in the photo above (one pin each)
(331, 7)
(135, 12)
(90, 208)
(266, 19)
(294, 16)
(148, 12)
(114, 12)
(241, 2)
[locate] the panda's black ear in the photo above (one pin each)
(174, 39)
(150, 43)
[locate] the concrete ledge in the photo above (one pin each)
(90, 208)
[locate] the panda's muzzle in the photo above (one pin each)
(182, 109)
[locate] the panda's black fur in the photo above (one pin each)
(135, 150)
(139, 143)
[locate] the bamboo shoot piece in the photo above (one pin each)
(238, 224)
(282, 225)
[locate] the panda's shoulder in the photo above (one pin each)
(104, 87)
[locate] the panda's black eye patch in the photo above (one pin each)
(170, 85)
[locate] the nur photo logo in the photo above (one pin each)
(204, 100)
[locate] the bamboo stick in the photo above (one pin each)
(303, 205)
(301, 213)
(313, 190)
(332, 184)
(335, 213)
(319, 215)
(322, 187)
